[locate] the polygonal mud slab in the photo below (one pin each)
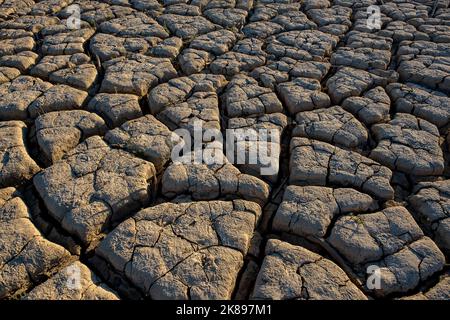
(429, 71)
(183, 251)
(291, 272)
(319, 163)
(75, 282)
(269, 76)
(256, 143)
(187, 27)
(17, 95)
(94, 186)
(48, 7)
(212, 181)
(33, 24)
(334, 20)
(400, 31)
(276, 72)
(182, 8)
(137, 25)
(116, 108)
(57, 98)
(16, 45)
(8, 74)
(333, 125)
(26, 257)
(136, 74)
(391, 242)
(61, 131)
(203, 49)
(230, 18)
(437, 33)
(74, 70)
(28, 97)
(168, 48)
(423, 48)
(316, 4)
(66, 42)
(356, 39)
(283, 17)
(348, 82)
(430, 203)
(423, 103)
(246, 55)
(408, 144)
(22, 61)
(184, 101)
(64, 27)
(309, 211)
(15, 8)
(107, 46)
(13, 33)
(194, 61)
(303, 94)
(16, 166)
(440, 291)
(244, 97)
(361, 58)
(145, 137)
(153, 8)
(265, 10)
(361, 16)
(372, 107)
(404, 11)
(306, 45)
(215, 42)
(96, 12)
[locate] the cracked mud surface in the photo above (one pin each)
(92, 205)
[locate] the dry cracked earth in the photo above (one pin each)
(87, 120)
